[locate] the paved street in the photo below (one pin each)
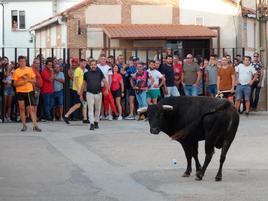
(123, 162)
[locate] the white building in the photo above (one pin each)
(236, 24)
(19, 15)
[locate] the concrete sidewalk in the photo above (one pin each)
(121, 161)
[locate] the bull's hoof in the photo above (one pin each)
(199, 176)
(218, 178)
(186, 174)
(198, 172)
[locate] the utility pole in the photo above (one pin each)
(262, 18)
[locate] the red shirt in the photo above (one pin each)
(48, 86)
(177, 68)
(39, 80)
(116, 78)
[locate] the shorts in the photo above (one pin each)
(58, 98)
(212, 89)
(131, 92)
(28, 98)
(37, 96)
(76, 98)
(226, 94)
(153, 93)
(116, 93)
(173, 91)
(243, 90)
(9, 91)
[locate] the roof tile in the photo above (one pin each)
(161, 31)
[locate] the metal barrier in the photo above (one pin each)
(145, 54)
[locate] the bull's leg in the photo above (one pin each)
(224, 151)
(209, 149)
(215, 126)
(188, 150)
(229, 137)
(195, 155)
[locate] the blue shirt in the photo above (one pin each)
(58, 86)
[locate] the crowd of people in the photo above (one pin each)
(110, 89)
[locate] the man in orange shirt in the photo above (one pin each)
(24, 79)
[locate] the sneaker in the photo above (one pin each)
(24, 128)
(36, 129)
(130, 117)
(96, 125)
(65, 119)
(247, 114)
(110, 118)
(86, 122)
(92, 127)
(106, 118)
(119, 118)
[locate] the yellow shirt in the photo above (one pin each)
(21, 74)
(79, 77)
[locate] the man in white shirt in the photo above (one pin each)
(154, 85)
(108, 101)
(246, 75)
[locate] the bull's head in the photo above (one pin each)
(155, 114)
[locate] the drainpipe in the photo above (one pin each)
(3, 24)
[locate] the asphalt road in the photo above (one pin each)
(121, 161)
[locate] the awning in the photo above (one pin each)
(163, 31)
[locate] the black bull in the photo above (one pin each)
(192, 119)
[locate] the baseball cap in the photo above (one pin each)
(74, 60)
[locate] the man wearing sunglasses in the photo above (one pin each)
(256, 86)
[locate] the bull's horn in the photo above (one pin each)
(141, 110)
(167, 107)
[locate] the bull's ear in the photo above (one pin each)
(142, 110)
(167, 107)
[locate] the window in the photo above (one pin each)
(78, 27)
(199, 20)
(18, 20)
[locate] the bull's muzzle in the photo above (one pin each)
(155, 131)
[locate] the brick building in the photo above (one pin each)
(114, 24)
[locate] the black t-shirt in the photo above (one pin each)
(130, 70)
(94, 79)
(2, 77)
(168, 71)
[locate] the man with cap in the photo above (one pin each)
(77, 85)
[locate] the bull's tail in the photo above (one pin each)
(231, 130)
(233, 125)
